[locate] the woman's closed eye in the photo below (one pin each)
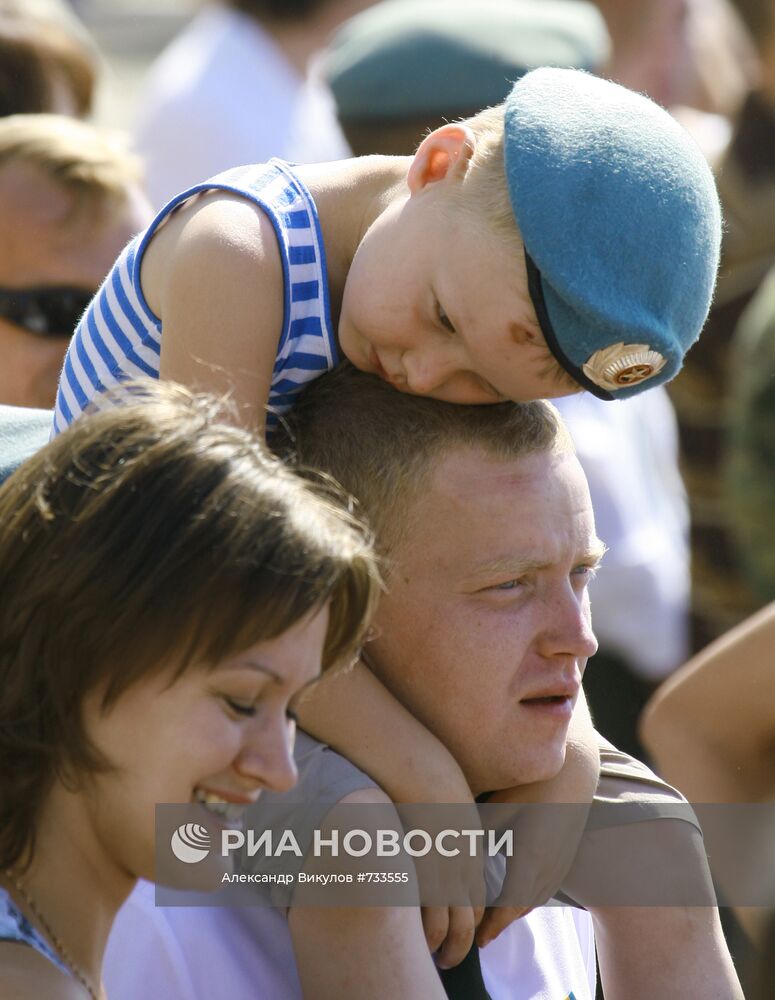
(249, 709)
(240, 708)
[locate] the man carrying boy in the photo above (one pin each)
(565, 239)
(485, 522)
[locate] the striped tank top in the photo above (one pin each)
(119, 337)
(15, 927)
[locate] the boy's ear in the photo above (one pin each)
(445, 151)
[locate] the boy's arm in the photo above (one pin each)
(213, 274)
(355, 714)
(546, 840)
(375, 952)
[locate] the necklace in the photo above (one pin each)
(58, 946)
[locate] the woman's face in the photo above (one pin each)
(216, 736)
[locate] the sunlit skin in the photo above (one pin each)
(228, 730)
(422, 289)
(44, 242)
(488, 602)
(436, 303)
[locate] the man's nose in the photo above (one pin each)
(569, 631)
(265, 759)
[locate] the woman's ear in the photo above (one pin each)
(445, 152)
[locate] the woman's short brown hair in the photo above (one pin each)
(151, 535)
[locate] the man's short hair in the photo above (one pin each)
(91, 163)
(381, 445)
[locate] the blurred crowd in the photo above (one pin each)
(682, 479)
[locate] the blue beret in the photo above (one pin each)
(22, 432)
(409, 58)
(620, 219)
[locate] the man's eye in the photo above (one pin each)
(445, 321)
(585, 573)
(508, 585)
(239, 708)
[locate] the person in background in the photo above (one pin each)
(388, 69)
(749, 455)
(722, 594)
(70, 198)
(237, 86)
(114, 697)
(711, 725)
(710, 728)
(46, 65)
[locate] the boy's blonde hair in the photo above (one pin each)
(93, 164)
(484, 194)
(485, 188)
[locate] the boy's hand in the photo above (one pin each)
(449, 932)
(452, 887)
(548, 822)
(546, 838)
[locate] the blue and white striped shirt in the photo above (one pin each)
(119, 337)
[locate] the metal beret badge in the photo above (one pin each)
(622, 365)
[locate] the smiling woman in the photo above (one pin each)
(166, 592)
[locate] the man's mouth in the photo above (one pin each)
(556, 698)
(557, 706)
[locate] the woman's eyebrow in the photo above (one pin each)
(261, 668)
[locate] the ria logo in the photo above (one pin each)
(190, 843)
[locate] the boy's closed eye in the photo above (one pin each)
(443, 319)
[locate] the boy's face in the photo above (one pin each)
(437, 304)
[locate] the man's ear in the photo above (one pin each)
(444, 152)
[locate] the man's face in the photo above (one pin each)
(43, 244)
(485, 630)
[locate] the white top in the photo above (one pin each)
(182, 953)
(640, 599)
(223, 94)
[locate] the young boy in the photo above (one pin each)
(566, 239)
